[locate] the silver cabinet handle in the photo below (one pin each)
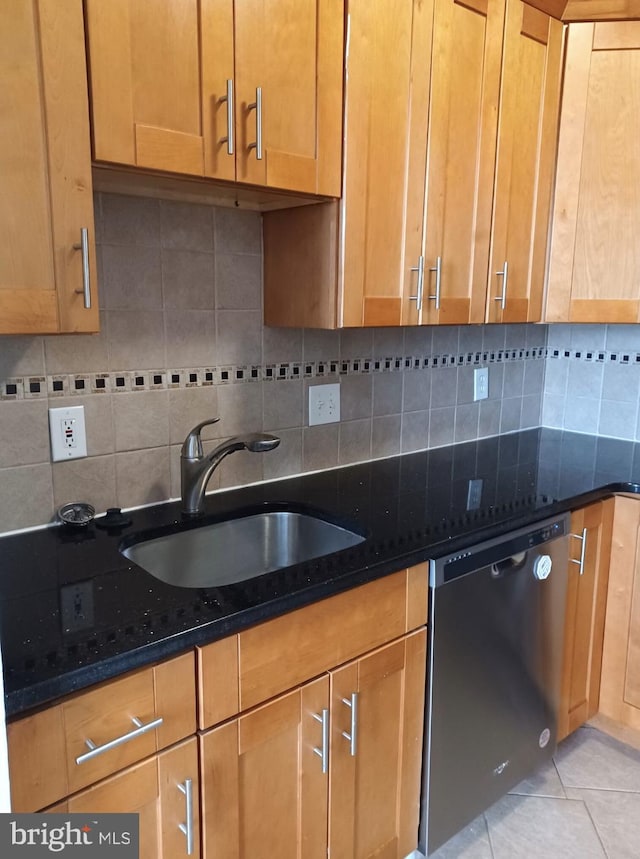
(438, 270)
(187, 828)
(229, 139)
(83, 246)
(352, 737)
(420, 269)
(139, 729)
(583, 549)
(323, 751)
(257, 106)
(504, 274)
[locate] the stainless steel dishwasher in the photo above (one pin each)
(496, 623)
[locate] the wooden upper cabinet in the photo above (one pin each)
(386, 103)
(245, 91)
(594, 273)
(529, 102)
(145, 83)
(465, 83)
(45, 170)
(359, 259)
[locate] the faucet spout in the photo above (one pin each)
(196, 468)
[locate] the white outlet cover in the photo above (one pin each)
(67, 433)
(324, 404)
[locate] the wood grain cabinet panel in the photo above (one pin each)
(152, 790)
(264, 791)
(56, 738)
(620, 682)
(529, 100)
(450, 126)
(588, 573)
(594, 271)
(45, 170)
(175, 83)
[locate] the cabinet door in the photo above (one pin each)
(594, 272)
(584, 618)
(386, 104)
(378, 702)
(156, 790)
(529, 99)
(145, 83)
(45, 169)
(290, 50)
(465, 83)
(620, 680)
(263, 789)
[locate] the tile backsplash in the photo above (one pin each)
(182, 340)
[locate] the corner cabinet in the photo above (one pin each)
(47, 267)
(241, 91)
(588, 576)
(450, 116)
(594, 271)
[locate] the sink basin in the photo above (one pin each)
(239, 549)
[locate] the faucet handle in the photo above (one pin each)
(192, 445)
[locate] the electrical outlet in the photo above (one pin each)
(324, 404)
(480, 383)
(474, 494)
(76, 606)
(67, 431)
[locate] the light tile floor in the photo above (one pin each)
(585, 804)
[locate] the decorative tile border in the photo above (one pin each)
(600, 356)
(114, 382)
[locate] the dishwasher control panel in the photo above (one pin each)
(493, 551)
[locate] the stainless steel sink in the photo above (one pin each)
(239, 549)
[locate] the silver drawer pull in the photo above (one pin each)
(187, 828)
(139, 729)
(83, 246)
(352, 737)
(583, 549)
(323, 751)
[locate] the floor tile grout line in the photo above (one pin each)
(562, 784)
(597, 831)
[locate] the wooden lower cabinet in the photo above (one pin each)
(264, 792)
(620, 682)
(588, 575)
(154, 790)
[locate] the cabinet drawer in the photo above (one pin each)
(95, 733)
(277, 655)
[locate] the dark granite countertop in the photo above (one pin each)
(410, 508)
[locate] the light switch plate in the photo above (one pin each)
(324, 404)
(67, 432)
